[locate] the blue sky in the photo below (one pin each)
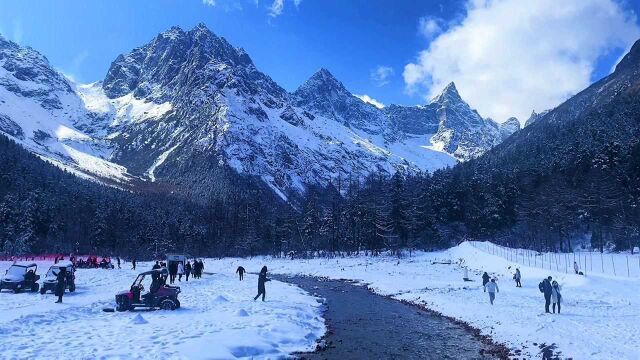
(379, 48)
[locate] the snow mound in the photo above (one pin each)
(242, 313)
(220, 299)
(139, 320)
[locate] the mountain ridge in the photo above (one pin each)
(192, 95)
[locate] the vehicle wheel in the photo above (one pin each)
(43, 290)
(167, 304)
(72, 287)
(123, 305)
(177, 304)
(35, 287)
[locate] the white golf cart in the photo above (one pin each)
(21, 276)
(51, 278)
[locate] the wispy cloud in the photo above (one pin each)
(369, 100)
(209, 2)
(276, 8)
(18, 31)
(75, 66)
(381, 75)
(508, 58)
(429, 26)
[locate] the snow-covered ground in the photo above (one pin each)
(218, 320)
(600, 314)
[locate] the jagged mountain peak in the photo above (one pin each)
(154, 68)
(509, 127)
(324, 81)
(449, 93)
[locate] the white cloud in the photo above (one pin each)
(370, 100)
(209, 2)
(381, 75)
(508, 58)
(276, 8)
(430, 26)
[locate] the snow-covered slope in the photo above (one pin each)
(40, 109)
(190, 99)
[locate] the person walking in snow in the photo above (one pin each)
(187, 270)
(133, 263)
(517, 276)
(485, 278)
(196, 266)
(556, 297)
(194, 269)
(491, 287)
(240, 271)
(180, 270)
(118, 261)
(545, 288)
(262, 278)
(164, 273)
(62, 283)
(173, 271)
(576, 268)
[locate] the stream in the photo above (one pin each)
(364, 325)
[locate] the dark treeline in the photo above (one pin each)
(43, 209)
(596, 197)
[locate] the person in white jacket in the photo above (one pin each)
(556, 296)
(180, 270)
(492, 288)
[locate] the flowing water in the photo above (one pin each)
(363, 325)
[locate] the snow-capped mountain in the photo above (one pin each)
(39, 109)
(190, 100)
(457, 129)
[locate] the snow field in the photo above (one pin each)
(600, 314)
(218, 320)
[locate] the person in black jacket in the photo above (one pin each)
(173, 271)
(62, 283)
(546, 289)
(187, 270)
(262, 278)
(485, 279)
(240, 272)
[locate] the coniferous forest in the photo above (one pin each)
(44, 209)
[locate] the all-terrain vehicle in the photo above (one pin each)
(159, 296)
(51, 278)
(21, 276)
